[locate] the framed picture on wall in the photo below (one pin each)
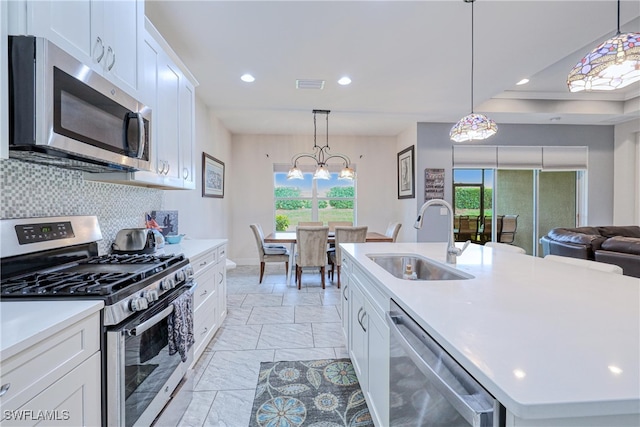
(406, 177)
(212, 177)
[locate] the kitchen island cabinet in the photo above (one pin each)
(208, 259)
(555, 344)
(50, 363)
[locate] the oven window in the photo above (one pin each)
(148, 366)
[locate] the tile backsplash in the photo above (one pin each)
(32, 190)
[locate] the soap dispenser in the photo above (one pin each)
(409, 274)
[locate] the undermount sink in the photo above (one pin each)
(423, 268)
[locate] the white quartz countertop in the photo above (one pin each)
(546, 339)
(25, 323)
(192, 247)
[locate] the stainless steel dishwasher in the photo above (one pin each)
(428, 387)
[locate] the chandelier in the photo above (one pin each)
(473, 126)
(614, 64)
(321, 155)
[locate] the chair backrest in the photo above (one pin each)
(259, 235)
(334, 224)
(585, 263)
(312, 246)
(349, 235)
(310, 224)
(509, 227)
(392, 230)
(505, 247)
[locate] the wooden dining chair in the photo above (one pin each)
(509, 227)
(345, 235)
(269, 252)
(311, 250)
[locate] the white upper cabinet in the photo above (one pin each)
(103, 34)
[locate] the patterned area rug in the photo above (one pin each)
(314, 393)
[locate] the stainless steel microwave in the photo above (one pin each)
(63, 113)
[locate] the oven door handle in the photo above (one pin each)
(149, 323)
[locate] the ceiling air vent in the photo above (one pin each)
(309, 84)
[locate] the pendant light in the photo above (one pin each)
(321, 155)
(614, 64)
(474, 126)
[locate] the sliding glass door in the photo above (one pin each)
(557, 202)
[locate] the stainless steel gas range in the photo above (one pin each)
(143, 356)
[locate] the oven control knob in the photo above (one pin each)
(138, 304)
(180, 276)
(189, 271)
(167, 284)
(150, 295)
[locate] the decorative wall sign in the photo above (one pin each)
(406, 178)
(212, 177)
(167, 220)
(433, 184)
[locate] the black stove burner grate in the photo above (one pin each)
(102, 276)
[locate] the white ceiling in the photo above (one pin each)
(410, 61)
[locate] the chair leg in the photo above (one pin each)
(261, 271)
(286, 268)
(322, 274)
(338, 277)
(299, 276)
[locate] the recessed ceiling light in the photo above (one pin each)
(523, 82)
(344, 81)
(247, 78)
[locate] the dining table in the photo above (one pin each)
(284, 237)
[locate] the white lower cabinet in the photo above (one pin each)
(368, 340)
(55, 381)
(210, 296)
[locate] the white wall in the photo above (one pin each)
(407, 209)
(626, 173)
(204, 217)
(253, 157)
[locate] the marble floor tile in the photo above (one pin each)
(286, 336)
(231, 408)
(304, 354)
(341, 353)
(235, 300)
(237, 315)
(291, 288)
(236, 337)
(266, 315)
(233, 370)
(198, 409)
(327, 335)
(264, 288)
(319, 314)
(331, 297)
(253, 300)
(302, 298)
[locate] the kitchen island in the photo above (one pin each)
(554, 343)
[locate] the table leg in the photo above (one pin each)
(292, 261)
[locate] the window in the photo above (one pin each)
(311, 199)
(473, 204)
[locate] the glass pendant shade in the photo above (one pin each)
(473, 127)
(347, 173)
(295, 173)
(322, 172)
(612, 65)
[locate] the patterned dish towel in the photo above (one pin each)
(181, 325)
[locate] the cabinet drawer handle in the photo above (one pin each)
(168, 167)
(161, 170)
(204, 293)
(221, 278)
(203, 264)
(99, 40)
(185, 173)
(4, 389)
(113, 55)
(204, 331)
(344, 293)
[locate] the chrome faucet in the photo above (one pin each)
(452, 251)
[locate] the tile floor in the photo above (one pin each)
(265, 323)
